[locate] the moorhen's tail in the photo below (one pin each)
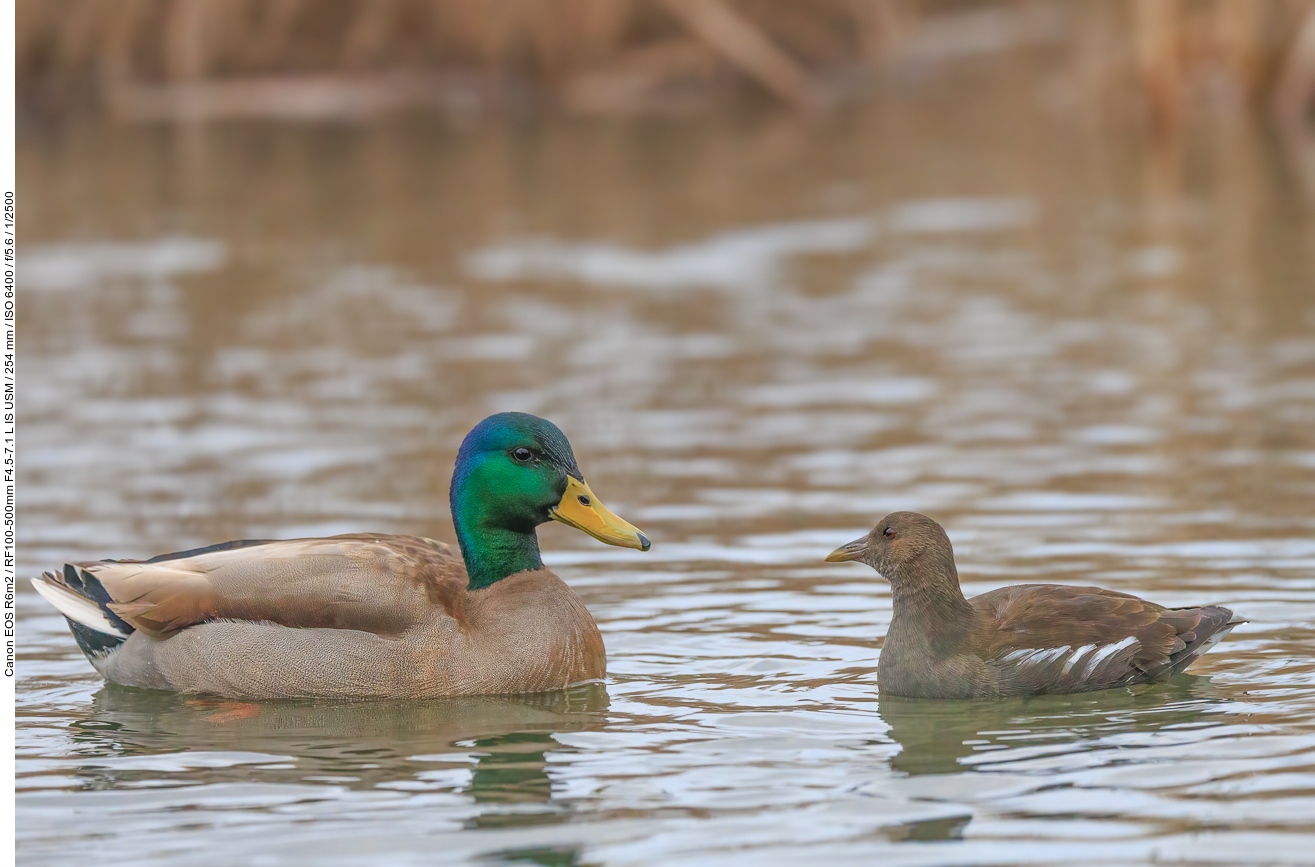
(1199, 629)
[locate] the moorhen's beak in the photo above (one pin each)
(852, 551)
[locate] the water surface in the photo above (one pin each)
(1089, 354)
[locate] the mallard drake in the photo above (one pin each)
(1028, 639)
(365, 614)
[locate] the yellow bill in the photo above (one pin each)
(852, 551)
(581, 509)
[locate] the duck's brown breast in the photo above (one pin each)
(528, 632)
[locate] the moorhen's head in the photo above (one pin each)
(902, 547)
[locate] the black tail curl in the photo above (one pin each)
(94, 643)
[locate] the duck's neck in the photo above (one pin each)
(493, 553)
(493, 544)
(494, 529)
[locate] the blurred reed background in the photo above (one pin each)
(198, 59)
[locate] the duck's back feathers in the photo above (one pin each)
(1045, 638)
(369, 582)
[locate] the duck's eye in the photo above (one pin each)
(888, 532)
(522, 454)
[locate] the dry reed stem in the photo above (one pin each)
(79, 33)
(746, 47)
(635, 78)
(1237, 32)
(881, 26)
(184, 39)
(274, 32)
(1294, 93)
(115, 64)
(369, 32)
(1158, 27)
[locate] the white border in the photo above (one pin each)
(8, 236)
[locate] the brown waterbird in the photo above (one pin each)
(1028, 639)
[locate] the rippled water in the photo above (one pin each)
(1091, 356)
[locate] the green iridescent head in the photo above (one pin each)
(514, 472)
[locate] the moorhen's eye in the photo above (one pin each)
(888, 532)
(522, 454)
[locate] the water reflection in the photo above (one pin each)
(547, 856)
(491, 749)
(512, 771)
(948, 737)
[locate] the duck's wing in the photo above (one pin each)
(370, 582)
(1056, 637)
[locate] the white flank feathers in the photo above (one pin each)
(1091, 654)
(1036, 656)
(1104, 653)
(76, 608)
(1078, 656)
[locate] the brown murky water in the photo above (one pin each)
(1092, 357)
